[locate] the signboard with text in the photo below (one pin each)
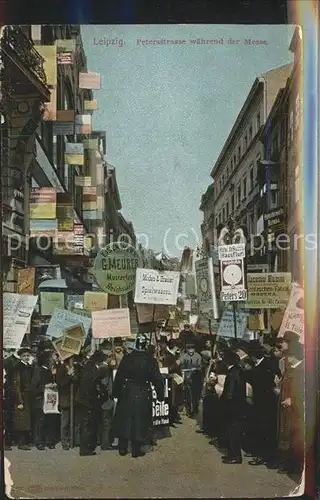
(232, 272)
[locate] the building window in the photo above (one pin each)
(234, 160)
(258, 158)
(227, 210)
(232, 203)
(245, 187)
(282, 132)
(245, 143)
(274, 198)
(251, 178)
(239, 152)
(227, 171)
(258, 121)
(297, 117)
(222, 180)
(223, 214)
(220, 218)
(216, 222)
(250, 134)
(238, 194)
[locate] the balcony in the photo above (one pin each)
(20, 54)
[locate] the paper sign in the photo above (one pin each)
(91, 105)
(72, 345)
(145, 313)
(26, 280)
(51, 401)
(256, 322)
(50, 301)
(95, 301)
(226, 326)
(63, 355)
(73, 302)
(187, 305)
(83, 124)
(17, 312)
(293, 319)
(156, 287)
(268, 290)
(111, 323)
(62, 319)
(89, 81)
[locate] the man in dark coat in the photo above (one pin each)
(262, 381)
(66, 376)
(9, 365)
(44, 423)
(87, 399)
(22, 377)
(132, 389)
(233, 399)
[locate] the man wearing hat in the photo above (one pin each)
(88, 403)
(22, 377)
(132, 389)
(191, 360)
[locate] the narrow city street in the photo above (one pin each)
(182, 466)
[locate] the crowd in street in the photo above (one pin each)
(251, 392)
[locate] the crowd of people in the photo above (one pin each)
(251, 392)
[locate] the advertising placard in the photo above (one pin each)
(74, 154)
(90, 81)
(17, 312)
(50, 301)
(293, 319)
(145, 313)
(232, 272)
(43, 203)
(161, 410)
(268, 290)
(226, 326)
(83, 124)
(156, 287)
(91, 105)
(82, 181)
(62, 319)
(115, 268)
(45, 227)
(206, 292)
(111, 323)
(65, 212)
(95, 301)
(26, 280)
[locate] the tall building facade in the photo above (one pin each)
(235, 190)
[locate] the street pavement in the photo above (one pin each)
(182, 466)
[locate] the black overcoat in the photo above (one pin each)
(22, 377)
(132, 389)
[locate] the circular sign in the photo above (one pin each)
(115, 268)
(232, 274)
(204, 285)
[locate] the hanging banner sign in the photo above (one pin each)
(91, 105)
(65, 45)
(89, 194)
(74, 154)
(49, 54)
(46, 228)
(65, 58)
(89, 205)
(50, 301)
(26, 280)
(91, 144)
(66, 115)
(43, 203)
(268, 290)
(293, 319)
(62, 319)
(83, 124)
(63, 128)
(156, 287)
(82, 181)
(226, 326)
(17, 312)
(90, 81)
(145, 313)
(65, 212)
(115, 268)
(232, 272)
(111, 323)
(95, 301)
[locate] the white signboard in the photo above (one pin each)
(226, 326)
(62, 319)
(293, 319)
(206, 288)
(232, 272)
(232, 252)
(111, 323)
(17, 312)
(156, 287)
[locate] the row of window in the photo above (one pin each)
(241, 149)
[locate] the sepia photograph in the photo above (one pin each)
(162, 258)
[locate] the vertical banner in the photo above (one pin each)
(26, 280)
(83, 124)
(89, 81)
(43, 203)
(74, 154)
(65, 212)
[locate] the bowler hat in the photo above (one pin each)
(98, 357)
(24, 350)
